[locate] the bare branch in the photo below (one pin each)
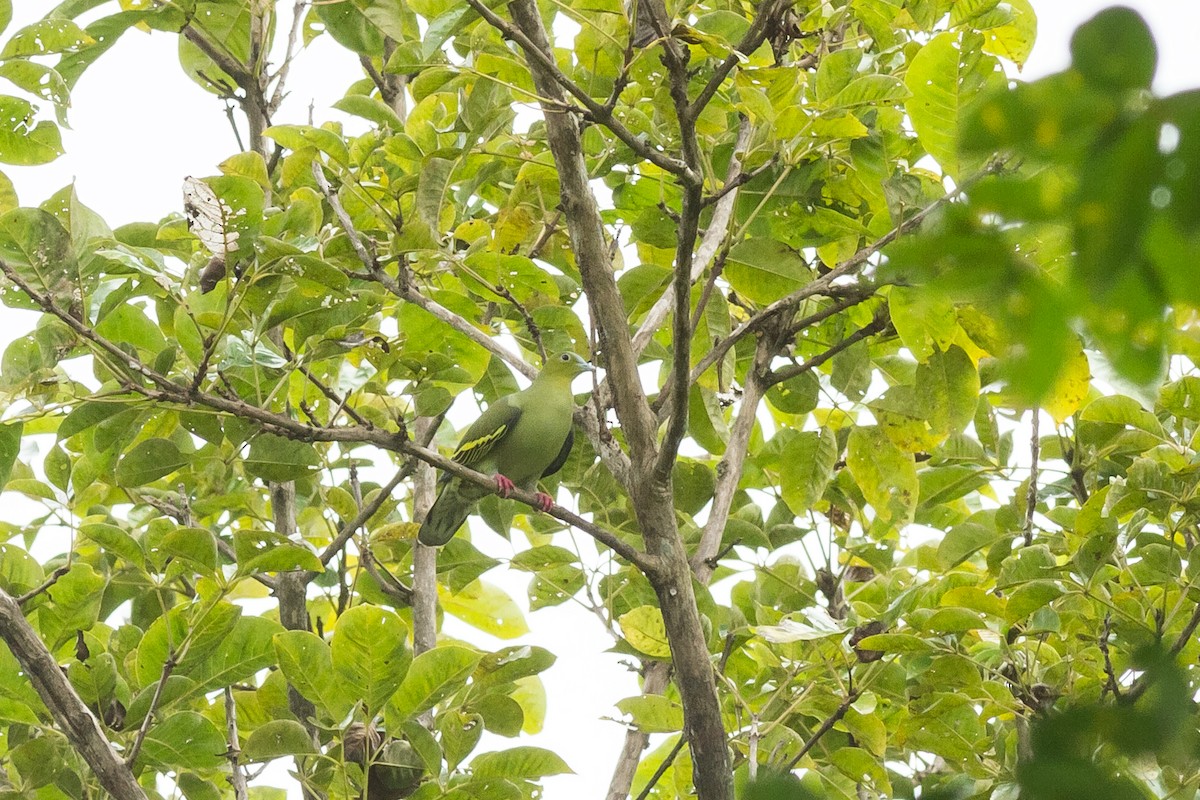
(654, 682)
(45, 585)
(823, 728)
(542, 64)
(729, 470)
(237, 776)
(424, 602)
(136, 749)
(1035, 449)
(877, 325)
(68, 710)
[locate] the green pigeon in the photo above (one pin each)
(520, 438)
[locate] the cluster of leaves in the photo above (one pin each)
(899, 606)
(1095, 224)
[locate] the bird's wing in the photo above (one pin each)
(487, 431)
(562, 456)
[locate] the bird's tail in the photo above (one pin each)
(447, 515)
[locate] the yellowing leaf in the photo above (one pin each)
(487, 608)
(886, 474)
(530, 695)
(1014, 41)
(1070, 388)
(644, 629)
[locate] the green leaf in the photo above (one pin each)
(19, 571)
(266, 551)
(23, 141)
(44, 37)
(1015, 39)
(278, 459)
(277, 738)
(184, 740)
(653, 713)
(370, 108)
(114, 540)
(10, 448)
(1115, 50)
(809, 458)
(298, 137)
(37, 79)
(148, 461)
(943, 78)
(963, 541)
(643, 628)
(192, 544)
(370, 653)
(763, 270)
(238, 655)
(511, 664)
(519, 763)
(433, 676)
(798, 395)
(5, 14)
(129, 325)
(886, 475)
(432, 185)
(307, 662)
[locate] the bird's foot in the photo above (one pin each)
(544, 502)
(504, 486)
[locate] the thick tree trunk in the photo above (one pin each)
(671, 577)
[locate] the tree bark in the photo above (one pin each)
(670, 574)
(70, 714)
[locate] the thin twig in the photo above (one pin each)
(136, 749)
(662, 768)
(166, 391)
(595, 111)
(823, 729)
(1035, 450)
(877, 325)
(1110, 683)
(281, 75)
(237, 777)
(45, 585)
(339, 211)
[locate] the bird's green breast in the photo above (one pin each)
(537, 437)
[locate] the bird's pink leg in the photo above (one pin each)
(504, 486)
(544, 502)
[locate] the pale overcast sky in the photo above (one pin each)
(139, 126)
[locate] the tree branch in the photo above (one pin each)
(136, 749)
(586, 229)
(823, 728)
(237, 777)
(67, 709)
(755, 35)
(710, 243)
(877, 325)
(654, 682)
(729, 470)
(554, 83)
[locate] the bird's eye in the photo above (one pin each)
(564, 357)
